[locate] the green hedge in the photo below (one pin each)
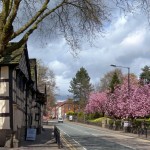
(71, 113)
(117, 123)
(139, 122)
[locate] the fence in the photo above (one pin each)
(57, 137)
(142, 131)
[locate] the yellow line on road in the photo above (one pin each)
(70, 146)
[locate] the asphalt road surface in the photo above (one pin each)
(84, 137)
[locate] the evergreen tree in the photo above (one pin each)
(80, 86)
(115, 80)
(145, 75)
(107, 79)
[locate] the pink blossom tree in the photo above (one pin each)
(140, 101)
(124, 105)
(97, 102)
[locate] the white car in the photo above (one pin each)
(60, 119)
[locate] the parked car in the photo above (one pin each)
(60, 120)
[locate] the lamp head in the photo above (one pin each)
(113, 65)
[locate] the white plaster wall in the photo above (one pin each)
(4, 89)
(4, 106)
(4, 86)
(4, 73)
(4, 123)
(59, 112)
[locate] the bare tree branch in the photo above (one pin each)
(30, 22)
(13, 13)
(5, 10)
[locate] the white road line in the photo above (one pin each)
(72, 139)
(76, 142)
(95, 135)
(64, 132)
(127, 146)
(79, 144)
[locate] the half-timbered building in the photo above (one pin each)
(20, 106)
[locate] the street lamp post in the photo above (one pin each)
(79, 94)
(128, 76)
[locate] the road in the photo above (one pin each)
(84, 137)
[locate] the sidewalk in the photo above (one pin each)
(44, 141)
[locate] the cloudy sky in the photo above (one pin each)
(126, 42)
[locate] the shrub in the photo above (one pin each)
(95, 115)
(71, 113)
(118, 123)
(110, 123)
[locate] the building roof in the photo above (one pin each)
(13, 57)
(59, 104)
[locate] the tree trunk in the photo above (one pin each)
(5, 35)
(2, 45)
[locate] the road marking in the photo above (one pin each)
(76, 142)
(127, 146)
(70, 146)
(68, 143)
(79, 144)
(95, 135)
(64, 132)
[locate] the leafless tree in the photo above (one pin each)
(105, 81)
(133, 5)
(46, 77)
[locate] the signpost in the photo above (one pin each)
(70, 118)
(126, 123)
(31, 134)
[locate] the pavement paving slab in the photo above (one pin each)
(44, 141)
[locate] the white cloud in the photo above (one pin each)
(63, 85)
(120, 22)
(134, 39)
(58, 66)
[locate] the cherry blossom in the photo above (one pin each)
(97, 102)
